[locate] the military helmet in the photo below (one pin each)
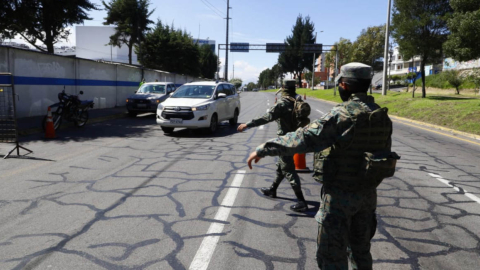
(355, 71)
(289, 83)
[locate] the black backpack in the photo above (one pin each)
(300, 113)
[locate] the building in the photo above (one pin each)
(401, 66)
(92, 43)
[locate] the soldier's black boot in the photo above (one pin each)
(301, 205)
(271, 191)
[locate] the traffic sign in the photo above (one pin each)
(276, 47)
(239, 47)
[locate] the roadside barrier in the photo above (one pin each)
(300, 163)
(49, 128)
(8, 114)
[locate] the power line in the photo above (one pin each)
(216, 12)
(214, 6)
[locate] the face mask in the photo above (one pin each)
(344, 95)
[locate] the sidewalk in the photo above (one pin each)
(32, 125)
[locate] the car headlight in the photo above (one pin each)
(160, 107)
(128, 100)
(201, 108)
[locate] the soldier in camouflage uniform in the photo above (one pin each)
(282, 113)
(346, 218)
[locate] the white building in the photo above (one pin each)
(91, 43)
(401, 66)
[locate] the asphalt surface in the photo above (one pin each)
(122, 195)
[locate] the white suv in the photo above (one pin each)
(199, 105)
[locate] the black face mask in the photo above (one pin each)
(344, 95)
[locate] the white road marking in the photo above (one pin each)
(446, 182)
(320, 112)
(268, 110)
(261, 127)
(207, 247)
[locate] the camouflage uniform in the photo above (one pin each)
(282, 113)
(346, 219)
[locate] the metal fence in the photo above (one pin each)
(8, 119)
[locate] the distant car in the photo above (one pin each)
(254, 89)
(148, 96)
(378, 86)
(199, 105)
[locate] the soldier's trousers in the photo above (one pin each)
(345, 220)
(286, 169)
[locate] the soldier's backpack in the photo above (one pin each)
(300, 113)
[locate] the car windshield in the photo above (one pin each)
(194, 91)
(152, 89)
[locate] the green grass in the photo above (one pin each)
(452, 111)
(438, 81)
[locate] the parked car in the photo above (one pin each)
(199, 105)
(378, 86)
(148, 96)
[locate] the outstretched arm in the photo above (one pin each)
(272, 114)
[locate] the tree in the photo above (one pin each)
(208, 62)
(250, 86)
(463, 42)
(277, 72)
(131, 20)
(42, 20)
(454, 78)
(412, 76)
(265, 78)
(420, 29)
(369, 46)
(165, 48)
(474, 77)
(344, 48)
(308, 78)
(237, 82)
(294, 60)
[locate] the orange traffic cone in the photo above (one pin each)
(300, 163)
(49, 128)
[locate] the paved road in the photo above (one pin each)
(122, 195)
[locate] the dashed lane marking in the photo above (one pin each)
(320, 112)
(261, 127)
(448, 183)
(207, 247)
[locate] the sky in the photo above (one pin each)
(260, 22)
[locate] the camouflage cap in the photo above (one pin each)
(289, 83)
(355, 71)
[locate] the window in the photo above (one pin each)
(152, 89)
(194, 91)
(399, 57)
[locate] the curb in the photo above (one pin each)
(398, 118)
(31, 131)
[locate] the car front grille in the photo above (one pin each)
(185, 115)
(141, 101)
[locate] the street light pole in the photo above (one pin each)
(335, 71)
(385, 55)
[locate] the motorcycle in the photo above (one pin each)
(70, 108)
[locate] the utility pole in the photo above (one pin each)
(313, 68)
(385, 54)
(226, 51)
(335, 72)
(233, 76)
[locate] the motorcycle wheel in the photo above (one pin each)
(82, 119)
(56, 118)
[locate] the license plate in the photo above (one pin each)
(176, 121)
(141, 105)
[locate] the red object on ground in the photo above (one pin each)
(49, 128)
(304, 96)
(300, 163)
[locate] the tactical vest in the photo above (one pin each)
(348, 165)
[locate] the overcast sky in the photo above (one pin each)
(260, 22)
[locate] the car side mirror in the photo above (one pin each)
(81, 92)
(222, 95)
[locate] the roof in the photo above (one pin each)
(213, 83)
(160, 83)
